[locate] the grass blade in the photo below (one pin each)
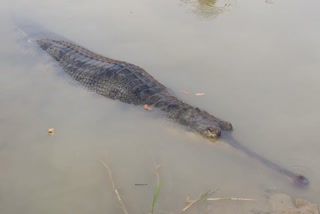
(157, 192)
(156, 196)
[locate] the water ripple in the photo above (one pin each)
(207, 8)
(295, 164)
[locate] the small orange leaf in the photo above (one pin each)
(51, 131)
(146, 107)
(199, 94)
(185, 91)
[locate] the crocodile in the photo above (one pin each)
(131, 84)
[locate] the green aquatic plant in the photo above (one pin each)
(157, 192)
(202, 197)
(156, 196)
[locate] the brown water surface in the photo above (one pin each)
(257, 63)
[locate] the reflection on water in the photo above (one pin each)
(208, 8)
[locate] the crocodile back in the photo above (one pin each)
(111, 78)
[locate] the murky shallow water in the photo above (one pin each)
(256, 62)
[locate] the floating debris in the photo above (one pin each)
(185, 91)
(203, 196)
(51, 131)
(208, 9)
(123, 206)
(199, 94)
(147, 107)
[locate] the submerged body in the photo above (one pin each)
(133, 85)
(130, 84)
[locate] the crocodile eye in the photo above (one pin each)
(213, 132)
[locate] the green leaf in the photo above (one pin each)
(156, 196)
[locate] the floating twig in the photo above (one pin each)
(114, 188)
(224, 199)
(203, 196)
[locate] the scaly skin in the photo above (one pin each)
(131, 84)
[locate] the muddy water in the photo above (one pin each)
(257, 63)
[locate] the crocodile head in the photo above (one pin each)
(204, 124)
(211, 133)
(200, 121)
